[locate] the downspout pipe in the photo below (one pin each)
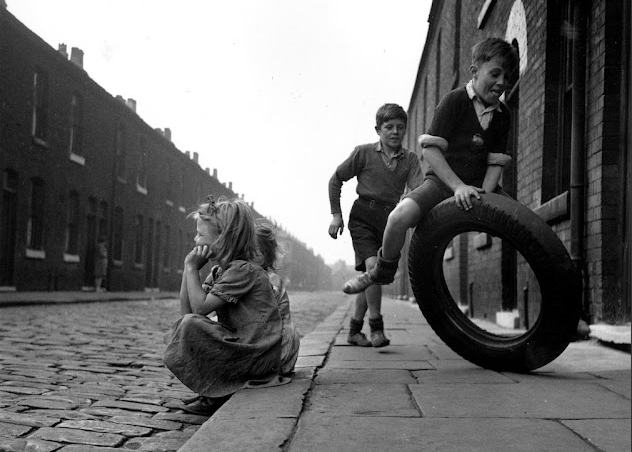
(578, 152)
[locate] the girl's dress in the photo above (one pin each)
(290, 342)
(215, 359)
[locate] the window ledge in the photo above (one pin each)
(182, 209)
(448, 254)
(482, 240)
(78, 159)
(71, 258)
(117, 264)
(169, 203)
(555, 209)
(138, 266)
(140, 189)
(35, 254)
(40, 142)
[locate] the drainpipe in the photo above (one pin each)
(578, 154)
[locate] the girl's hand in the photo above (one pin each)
(198, 257)
(463, 195)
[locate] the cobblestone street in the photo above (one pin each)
(89, 377)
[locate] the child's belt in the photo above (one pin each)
(376, 204)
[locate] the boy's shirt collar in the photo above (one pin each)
(472, 95)
(398, 154)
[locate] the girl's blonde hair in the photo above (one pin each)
(233, 224)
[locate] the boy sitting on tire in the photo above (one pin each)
(465, 148)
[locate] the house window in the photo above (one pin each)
(117, 239)
(138, 246)
(121, 151)
(35, 224)
(438, 70)
(72, 224)
(557, 161)
(166, 259)
(142, 164)
(40, 106)
(76, 119)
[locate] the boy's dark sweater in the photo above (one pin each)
(375, 180)
(456, 121)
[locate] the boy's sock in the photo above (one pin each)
(356, 336)
(383, 273)
(378, 339)
(384, 270)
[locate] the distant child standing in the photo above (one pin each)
(465, 148)
(290, 341)
(215, 359)
(100, 264)
(383, 171)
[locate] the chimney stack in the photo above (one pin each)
(63, 50)
(167, 133)
(187, 153)
(120, 98)
(76, 56)
(131, 103)
(215, 173)
(230, 186)
(195, 157)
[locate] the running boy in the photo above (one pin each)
(383, 170)
(465, 149)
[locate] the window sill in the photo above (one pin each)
(169, 203)
(117, 264)
(78, 159)
(71, 258)
(40, 142)
(138, 266)
(182, 209)
(35, 254)
(482, 241)
(141, 190)
(555, 209)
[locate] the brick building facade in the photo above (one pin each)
(570, 144)
(77, 163)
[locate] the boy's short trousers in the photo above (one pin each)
(366, 224)
(431, 192)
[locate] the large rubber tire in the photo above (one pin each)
(560, 283)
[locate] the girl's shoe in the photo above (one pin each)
(204, 406)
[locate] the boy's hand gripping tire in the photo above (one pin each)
(560, 283)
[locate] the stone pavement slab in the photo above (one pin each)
(363, 399)
(328, 376)
(318, 433)
(546, 400)
(612, 435)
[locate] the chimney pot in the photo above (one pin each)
(76, 56)
(63, 49)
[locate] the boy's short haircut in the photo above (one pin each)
(491, 48)
(387, 112)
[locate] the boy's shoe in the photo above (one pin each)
(358, 284)
(383, 273)
(204, 406)
(359, 339)
(378, 339)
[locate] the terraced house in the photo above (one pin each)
(570, 143)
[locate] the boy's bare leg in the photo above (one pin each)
(406, 215)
